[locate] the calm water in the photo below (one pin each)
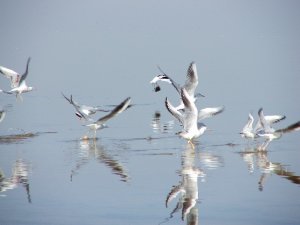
(138, 171)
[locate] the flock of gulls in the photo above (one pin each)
(187, 113)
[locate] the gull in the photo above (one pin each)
(190, 85)
(18, 83)
(249, 132)
(83, 111)
(188, 118)
(269, 133)
(100, 123)
(3, 110)
(2, 114)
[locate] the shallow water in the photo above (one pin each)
(138, 171)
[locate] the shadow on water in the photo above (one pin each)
(91, 149)
(255, 158)
(14, 138)
(20, 172)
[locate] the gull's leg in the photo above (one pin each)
(95, 134)
(19, 97)
(264, 146)
(191, 143)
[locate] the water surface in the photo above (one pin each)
(138, 171)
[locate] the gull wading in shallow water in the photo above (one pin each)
(190, 85)
(18, 83)
(100, 123)
(188, 117)
(83, 111)
(249, 133)
(270, 133)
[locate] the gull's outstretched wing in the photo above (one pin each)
(270, 119)
(191, 82)
(174, 111)
(13, 76)
(209, 112)
(265, 124)
(190, 111)
(76, 106)
(117, 110)
(23, 77)
(293, 127)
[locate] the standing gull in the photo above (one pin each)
(188, 117)
(100, 123)
(83, 111)
(18, 83)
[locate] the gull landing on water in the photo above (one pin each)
(83, 111)
(249, 133)
(190, 85)
(270, 133)
(188, 118)
(18, 83)
(100, 123)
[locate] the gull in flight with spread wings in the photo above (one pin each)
(100, 123)
(190, 85)
(249, 132)
(269, 133)
(18, 83)
(83, 111)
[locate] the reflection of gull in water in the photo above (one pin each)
(19, 176)
(188, 118)
(249, 133)
(17, 80)
(188, 188)
(210, 161)
(157, 126)
(92, 150)
(270, 133)
(255, 158)
(99, 124)
(190, 85)
(83, 111)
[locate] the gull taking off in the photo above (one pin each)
(270, 133)
(249, 133)
(83, 111)
(190, 85)
(100, 123)
(18, 83)
(188, 117)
